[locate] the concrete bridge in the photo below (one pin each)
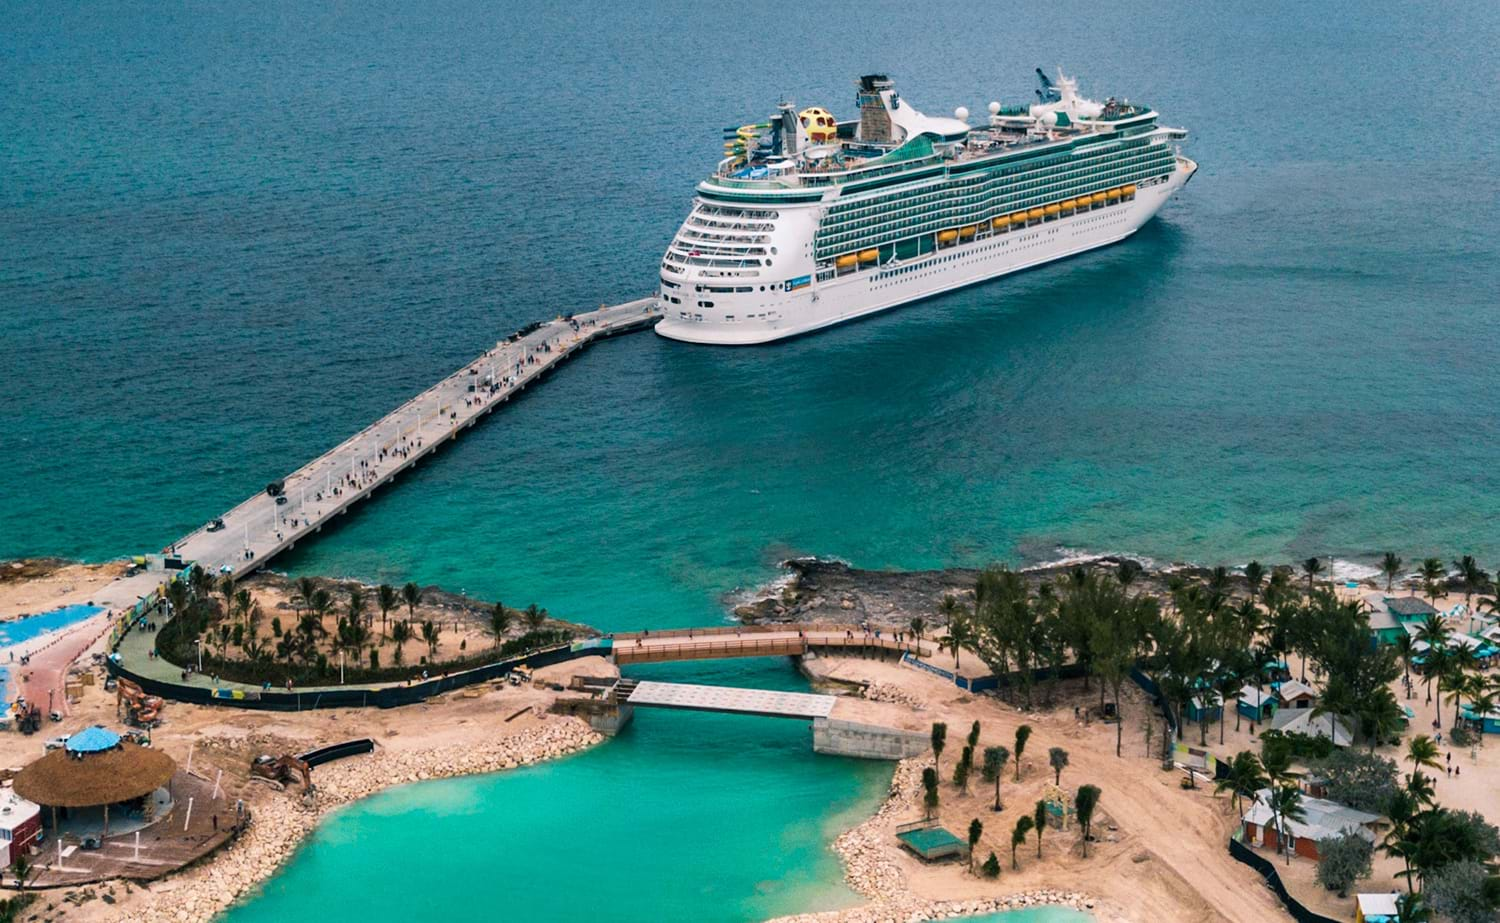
(841, 726)
(259, 528)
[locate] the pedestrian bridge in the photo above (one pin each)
(730, 700)
(758, 641)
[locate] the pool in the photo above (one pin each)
(28, 627)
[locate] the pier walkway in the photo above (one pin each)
(246, 537)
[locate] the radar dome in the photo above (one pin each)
(819, 123)
(994, 108)
(961, 113)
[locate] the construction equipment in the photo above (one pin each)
(141, 710)
(282, 769)
(28, 717)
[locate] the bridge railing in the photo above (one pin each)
(710, 648)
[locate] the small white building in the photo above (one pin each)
(1301, 721)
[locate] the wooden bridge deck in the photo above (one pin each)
(767, 641)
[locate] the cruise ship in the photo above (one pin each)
(809, 221)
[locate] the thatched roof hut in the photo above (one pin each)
(72, 779)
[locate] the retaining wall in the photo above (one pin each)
(866, 741)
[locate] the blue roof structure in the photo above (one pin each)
(93, 740)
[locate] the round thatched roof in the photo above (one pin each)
(67, 780)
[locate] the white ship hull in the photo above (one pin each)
(868, 291)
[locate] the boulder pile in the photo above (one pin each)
(280, 821)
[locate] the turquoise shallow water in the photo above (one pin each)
(681, 817)
(232, 235)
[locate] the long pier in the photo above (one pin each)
(263, 526)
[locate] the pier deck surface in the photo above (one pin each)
(259, 528)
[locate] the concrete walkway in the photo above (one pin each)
(259, 528)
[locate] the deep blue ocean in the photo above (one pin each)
(230, 235)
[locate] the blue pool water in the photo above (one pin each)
(27, 628)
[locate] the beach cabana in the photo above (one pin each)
(1204, 707)
(1383, 622)
(96, 771)
(1409, 608)
(1322, 819)
(1296, 694)
(1301, 721)
(20, 825)
(1377, 908)
(1488, 723)
(1256, 704)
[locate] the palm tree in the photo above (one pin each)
(400, 634)
(1245, 778)
(1406, 649)
(917, 626)
(993, 768)
(302, 598)
(1470, 573)
(1432, 575)
(430, 633)
(1084, 804)
(951, 609)
(1337, 700)
(1023, 734)
(1312, 567)
(1286, 805)
(412, 594)
(387, 599)
(1039, 823)
(1402, 809)
(357, 603)
(1390, 566)
(976, 830)
(177, 597)
(1018, 836)
(226, 590)
(499, 621)
(534, 617)
(939, 740)
(1255, 572)
(1127, 572)
(1421, 751)
(1057, 758)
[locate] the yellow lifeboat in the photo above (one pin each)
(1036, 214)
(967, 232)
(869, 256)
(1069, 204)
(948, 236)
(1018, 217)
(847, 261)
(1128, 190)
(1097, 198)
(1000, 223)
(1112, 194)
(1053, 210)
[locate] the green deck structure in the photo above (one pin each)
(930, 841)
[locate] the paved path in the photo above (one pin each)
(259, 528)
(731, 700)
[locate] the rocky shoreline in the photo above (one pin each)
(827, 591)
(201, 893)
(872, 872)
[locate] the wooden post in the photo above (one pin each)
(188, 817)
(217, 778)
(106, 821)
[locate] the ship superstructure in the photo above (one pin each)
(809, 221)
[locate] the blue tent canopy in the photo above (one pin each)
(93, 740)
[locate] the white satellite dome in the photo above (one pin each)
(994, 108)
(961, 113)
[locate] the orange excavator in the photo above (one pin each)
(282, 769)
(141, 710)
